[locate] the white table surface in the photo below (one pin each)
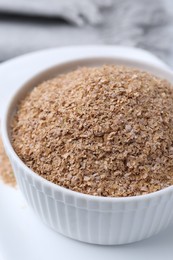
(22, 235)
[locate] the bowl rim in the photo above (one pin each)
(10, 150)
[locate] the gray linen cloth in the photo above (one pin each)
(29, 25)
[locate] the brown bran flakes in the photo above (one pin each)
(6, 172)
(104, 131)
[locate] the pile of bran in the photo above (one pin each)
(6, 172)
(104, 131)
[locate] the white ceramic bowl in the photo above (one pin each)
(92, 219)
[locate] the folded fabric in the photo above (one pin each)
(75, 11)
(140, 23)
